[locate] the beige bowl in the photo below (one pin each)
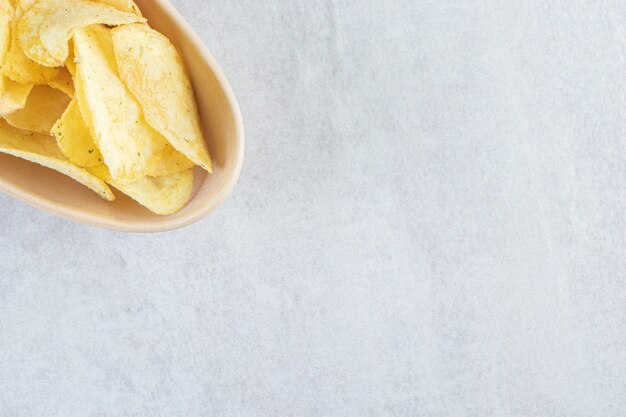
(223, 129)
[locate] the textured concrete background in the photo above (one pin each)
(430, 222)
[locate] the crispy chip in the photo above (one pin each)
(130, 147)
(74, 139)
(161, 195)
(44, 29)
(7, 5)
(117, 100)
(43, 150)
(26, 4)
(123, 5)
(70, 64)
(14, 95)
(63, 82)
(17, 66)
(153, 71)
(81, 101)
(43, 108)
(6, 16)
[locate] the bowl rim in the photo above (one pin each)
(167, 223)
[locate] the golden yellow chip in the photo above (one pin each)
(130, 147)
(74, 139)
(26, 4)
(45, 29)
(153, 71)
(63, 82)
(6, 16)
(43, 108)
(17, 66)
(123, 5)
(43, 150)
(167, 160)
(161, 195)
(81, 101)
(120, 106)
(7, 5)
(70, 64)
(14, 95)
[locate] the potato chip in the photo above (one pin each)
(6, 16)
(70, 64)
(167, 160)
(13, 95)
(123, 5)
(45, 29)
(161, 195)
(43, 150)
(7, 5)
(99, 104)
(153, 71)
(81, 101)
(43, 108)
(17, 66)
(130, 147)
(26, 4)
(10, 102)
(74, 139)
(63, 82)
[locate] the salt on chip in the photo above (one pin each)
(45, 29)
(14, 95)
(161, 195)
(43, 150)
(43, 108)
(17, 66)
(74, 139)
(153, 71)
(130, 147)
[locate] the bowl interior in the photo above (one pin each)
(222, 128)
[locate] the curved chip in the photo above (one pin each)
(17, 66)
(70, 64)
(6, 16)
(74, 139)
(153, 71)
(43, 108)
(63, 82)
(13, 95)
(130, 147)
(43, 150)
(45, 29)
(161, 195)
(26, 4)
(123, 5)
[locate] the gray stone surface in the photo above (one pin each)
(430, 222)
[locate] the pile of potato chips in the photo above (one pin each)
(90, 90)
